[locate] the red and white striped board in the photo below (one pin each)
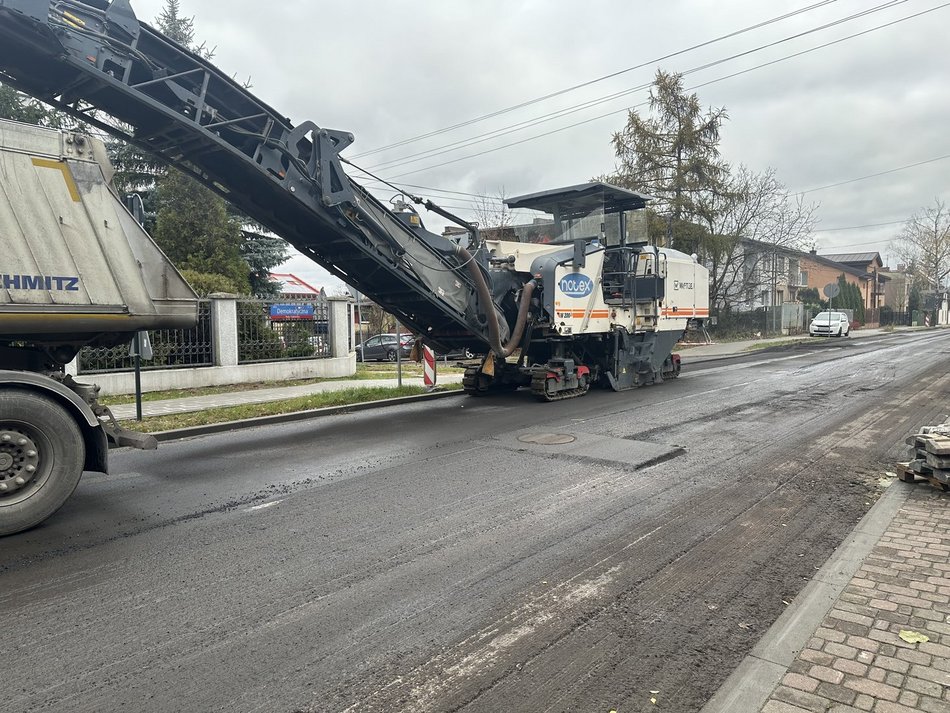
(428, 367)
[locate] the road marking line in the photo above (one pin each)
(263, 506)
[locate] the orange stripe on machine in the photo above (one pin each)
(595, 314)
(685, 312)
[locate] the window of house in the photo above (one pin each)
(803, 278)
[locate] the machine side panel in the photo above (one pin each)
(687, 288)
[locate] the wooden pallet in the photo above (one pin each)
(911, 471)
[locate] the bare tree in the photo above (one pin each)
(924, 244)
(750, 223)
(378, 320)
(493, 215)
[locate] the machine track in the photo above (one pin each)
(472, 382)
(539, 387)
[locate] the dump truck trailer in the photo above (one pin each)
(76, 269)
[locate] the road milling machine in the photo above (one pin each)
(573, 297)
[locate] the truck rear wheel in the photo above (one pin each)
(41, 459)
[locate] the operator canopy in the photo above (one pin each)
(591, 211)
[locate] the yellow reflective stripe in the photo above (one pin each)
(67, 176)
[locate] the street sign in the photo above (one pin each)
(146, 343)
(832, 290)
(281, 312)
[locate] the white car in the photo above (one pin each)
(830, 324)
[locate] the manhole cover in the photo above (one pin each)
(547, 439)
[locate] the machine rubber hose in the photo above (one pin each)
(526, 294)
(484, 295)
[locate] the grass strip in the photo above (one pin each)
(345, 397)
(363, 372)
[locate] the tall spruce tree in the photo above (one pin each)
(194, 229)
(673, 155)
(17, 106)
(174, 26)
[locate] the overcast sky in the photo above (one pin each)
(391, 70)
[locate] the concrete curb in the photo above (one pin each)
(748, 687)
(812, 344)
(212, 428)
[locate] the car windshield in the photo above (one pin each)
(830, 316)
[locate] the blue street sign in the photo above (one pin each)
(291, 311)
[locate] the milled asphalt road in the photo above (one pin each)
(426, 558)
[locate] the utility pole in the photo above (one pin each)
(774, 290)
(398, 354)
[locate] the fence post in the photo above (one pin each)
(340, 326)
(224, 333)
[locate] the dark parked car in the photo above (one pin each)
(382, 347)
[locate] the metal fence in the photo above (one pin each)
(787, 319)
(887, 317)
(729, 324)
(171, 348)
(281, 330)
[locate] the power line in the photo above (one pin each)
(588, 83)
(697, 86)
(855, 245)
(443, 190)
(528, 123)
(485, 196)
(474, 204)
(857, 227)
(874, 175)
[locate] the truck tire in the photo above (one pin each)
(41, 459)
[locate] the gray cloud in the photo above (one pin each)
(389, 70)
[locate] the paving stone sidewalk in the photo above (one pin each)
(856, 660)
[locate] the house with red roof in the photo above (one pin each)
(295, 288)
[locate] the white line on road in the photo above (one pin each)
(263, 506)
